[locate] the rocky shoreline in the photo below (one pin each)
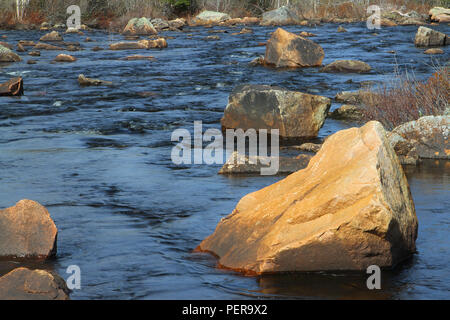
(279, 17)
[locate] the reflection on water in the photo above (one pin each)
(99, 159)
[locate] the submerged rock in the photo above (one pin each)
(243, 164)
(139, 26)
(309, 147)
(139, 57)
(426, 138)
(46, 46)
(343, 212)
(285, 49)
(434, 51)
(13, 87)
(26, 284)
(83, 81)
(156, 43)
(297, 115)
(426, 37)
(127, 46)
(347, 66)
(27, 231)
(279, 17)
(6, 55)
(353, 97)
(21, 48)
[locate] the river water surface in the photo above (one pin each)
(99, 159)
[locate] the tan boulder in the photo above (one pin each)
(152, 44)
(435, 12)
(443, 18)
(349, 209)
(52, 36)
(6, 55)
(297, 115)
(64, 58)
(27, 231)
(128, 45)
(286, 49)
(426, 37)
(434, 51)
(26, 284)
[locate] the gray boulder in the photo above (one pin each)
(297, 115)
(280, 17)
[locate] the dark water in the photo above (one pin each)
(99, 159)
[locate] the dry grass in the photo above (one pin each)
(54, 10)
(406, 99)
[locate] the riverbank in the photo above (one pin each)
(113, 16)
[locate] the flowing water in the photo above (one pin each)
(99, 159)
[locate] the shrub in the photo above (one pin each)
(407, 99)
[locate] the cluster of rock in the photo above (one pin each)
(27, 232)
(439, 14)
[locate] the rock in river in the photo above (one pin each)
(426, 138)
(140, 26)
(6, 55)
(27, 231)
(83, 81)
(127, 46)
(52, 36)
(426, 37)
(349, 209)
(297, 115)
(64, 58)
(347, 112)
(26, 284)
(243, 164)
(279, 17)
(285, 49)
(347, 66)
(12, 87)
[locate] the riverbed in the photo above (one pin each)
(98, 158)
